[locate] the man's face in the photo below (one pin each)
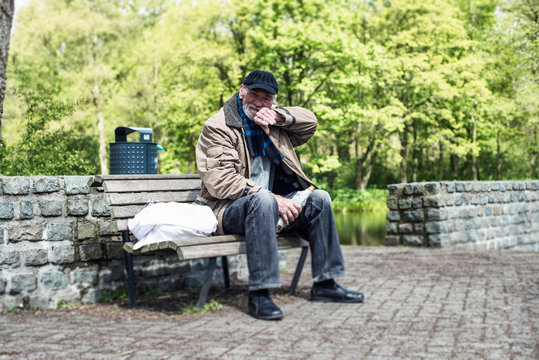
(254, 100)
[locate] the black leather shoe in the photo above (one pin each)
(262, 307)
(335, 293)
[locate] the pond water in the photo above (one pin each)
(361, 228)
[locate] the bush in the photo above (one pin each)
(45, 148)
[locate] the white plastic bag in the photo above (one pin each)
(171, 221)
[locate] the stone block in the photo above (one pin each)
(494, 186)
(36, 257)
(435, 240)
(406, 228)
(9, 257)
(433, 201)
(26, 210)
(112, 273)
(84, 276)
(92, 296)
(468, 186)
(100, 208)
(476, 186)
(409, 189)
(46, 185)
(108, 228)
(23, 282)
(413, 215)
(460, 186)
(77, 207)
(19, 232)
(392, 240)
(437, 214)
(16, 185)
(417, 203)
(534, 185)
(50, 207)
(432, 188)
(419, 228)
(392, 203)
(412, 240)
(89, 252)
(393, 189)
(3, 283)
(54, 279)
(62, 254)
(1, 236)
(393, 216)
(405, 203)
(86, 230)
(391, 228)
(7, 211)
(435, 227)
(75, 185)
(60, 232)
(459, 200)
(450, 187)
(115, 250)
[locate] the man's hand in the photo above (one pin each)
(288, 209)
(265, 117)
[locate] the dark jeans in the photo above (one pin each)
(256, 216)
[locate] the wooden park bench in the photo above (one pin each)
(128, 194)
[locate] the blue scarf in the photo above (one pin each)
(258, 142)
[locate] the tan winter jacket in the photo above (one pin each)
(223, 159)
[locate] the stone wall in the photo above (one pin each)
(58, 244)
(485, 215)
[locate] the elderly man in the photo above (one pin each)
(249, 169)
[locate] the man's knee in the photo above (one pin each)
(321, 199)
(263, 200)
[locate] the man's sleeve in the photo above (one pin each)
(219, 164)
(299, 122)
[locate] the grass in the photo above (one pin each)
(347, 199)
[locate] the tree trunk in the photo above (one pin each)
(404, 154)
(532, 170)
(475, 175)
(498, 156)
(365, 179)
(440, 161)
(96, 100)
(7, 8)
(415, 152)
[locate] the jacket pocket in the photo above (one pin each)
(214, 157)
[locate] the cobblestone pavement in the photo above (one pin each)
(420, 304)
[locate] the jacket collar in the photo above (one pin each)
(232, 118)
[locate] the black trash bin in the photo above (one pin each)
(133, 157)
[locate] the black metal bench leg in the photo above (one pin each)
(207, 282)
(299, 269)
(226, 275)
(128, 260)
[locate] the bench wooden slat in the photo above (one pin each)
(214, 246)
(142, 198)
(230, 248)
(143, 185)
(99, 179)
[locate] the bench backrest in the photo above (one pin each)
(128, 194)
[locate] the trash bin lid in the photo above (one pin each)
(121, 133)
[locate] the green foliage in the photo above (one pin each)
(117, 295)
(210, 306)
(45, 148)
(14, 310)
(62, 304)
